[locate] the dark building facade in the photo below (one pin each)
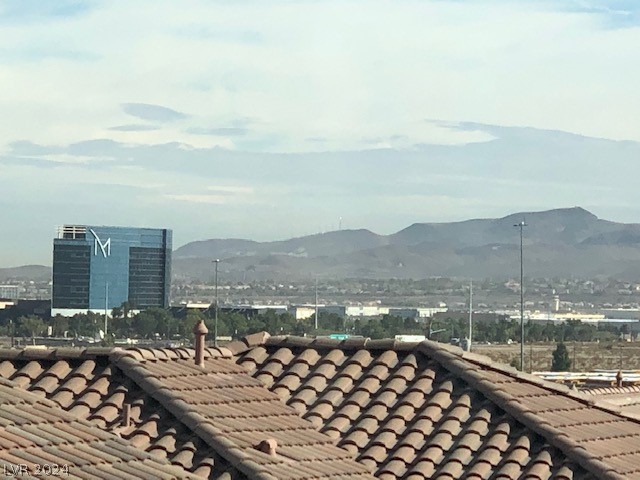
(101, 267)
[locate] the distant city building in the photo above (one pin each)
(102, 267)
(303, 312)
(461, 315)
(354, 310)
(421, 312)
(24, 308)
(4, 304)
(621, 313)
(9, 292)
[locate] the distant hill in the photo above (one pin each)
(563, 242)
(331, 243)
(26, 272)
(560, 242)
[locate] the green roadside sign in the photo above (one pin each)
(339, 336)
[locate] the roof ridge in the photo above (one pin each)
(59, 353)
(458, 363)
(185, 413)
(181, 353)
(228, 350)
(356, 343)
(604, 391)
(248, 342)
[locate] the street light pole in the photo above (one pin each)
(521, 225)
(106, 307)
(215, 314)
(316, 318)
(470, 314)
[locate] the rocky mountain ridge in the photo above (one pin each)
(561, 242)
(566, 242)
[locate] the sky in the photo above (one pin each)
(270, 119)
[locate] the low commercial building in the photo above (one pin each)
(250, 310)
(417, 312)
(25, 308)
(622, 313)
(303, 312)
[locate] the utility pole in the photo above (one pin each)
(106, 307)
(470, 314)
(215, 311)
(521, 225)
(316, 319)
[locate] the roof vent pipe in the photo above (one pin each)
(126, 414)
(199, 331)
(268, 446)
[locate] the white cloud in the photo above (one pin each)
(202, 198)
(230, 189)
(223, 196)
(301, 77)
(318, 69)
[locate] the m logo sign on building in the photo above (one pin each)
(105, 247)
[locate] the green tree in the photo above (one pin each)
(392, 325)
(189, 321)
(32, 326)
(357, 326)
(534, 332)
(331, 322)
(60, 325)
(117, 313)
(561, 361)
(223, 328)
(126, 307)
(85, 324)
(549, 332)
(276, 324)
(120, 326)
(145, 323)
(232, 324)
(374, 329)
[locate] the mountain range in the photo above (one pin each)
(566, 242)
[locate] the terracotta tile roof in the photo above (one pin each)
(86, 383)
(233, 412)
(336, 410)
(626, 398)
(418, 411)
(205, 421)
(36, 433)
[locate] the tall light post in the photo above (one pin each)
(316, 316)
(215, 312)
(521, 225)
(106, 308)
(470, 314)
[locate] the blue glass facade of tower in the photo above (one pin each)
(102, 267)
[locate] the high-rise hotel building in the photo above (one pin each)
(98, 268)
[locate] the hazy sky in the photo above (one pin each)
(270, 119)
